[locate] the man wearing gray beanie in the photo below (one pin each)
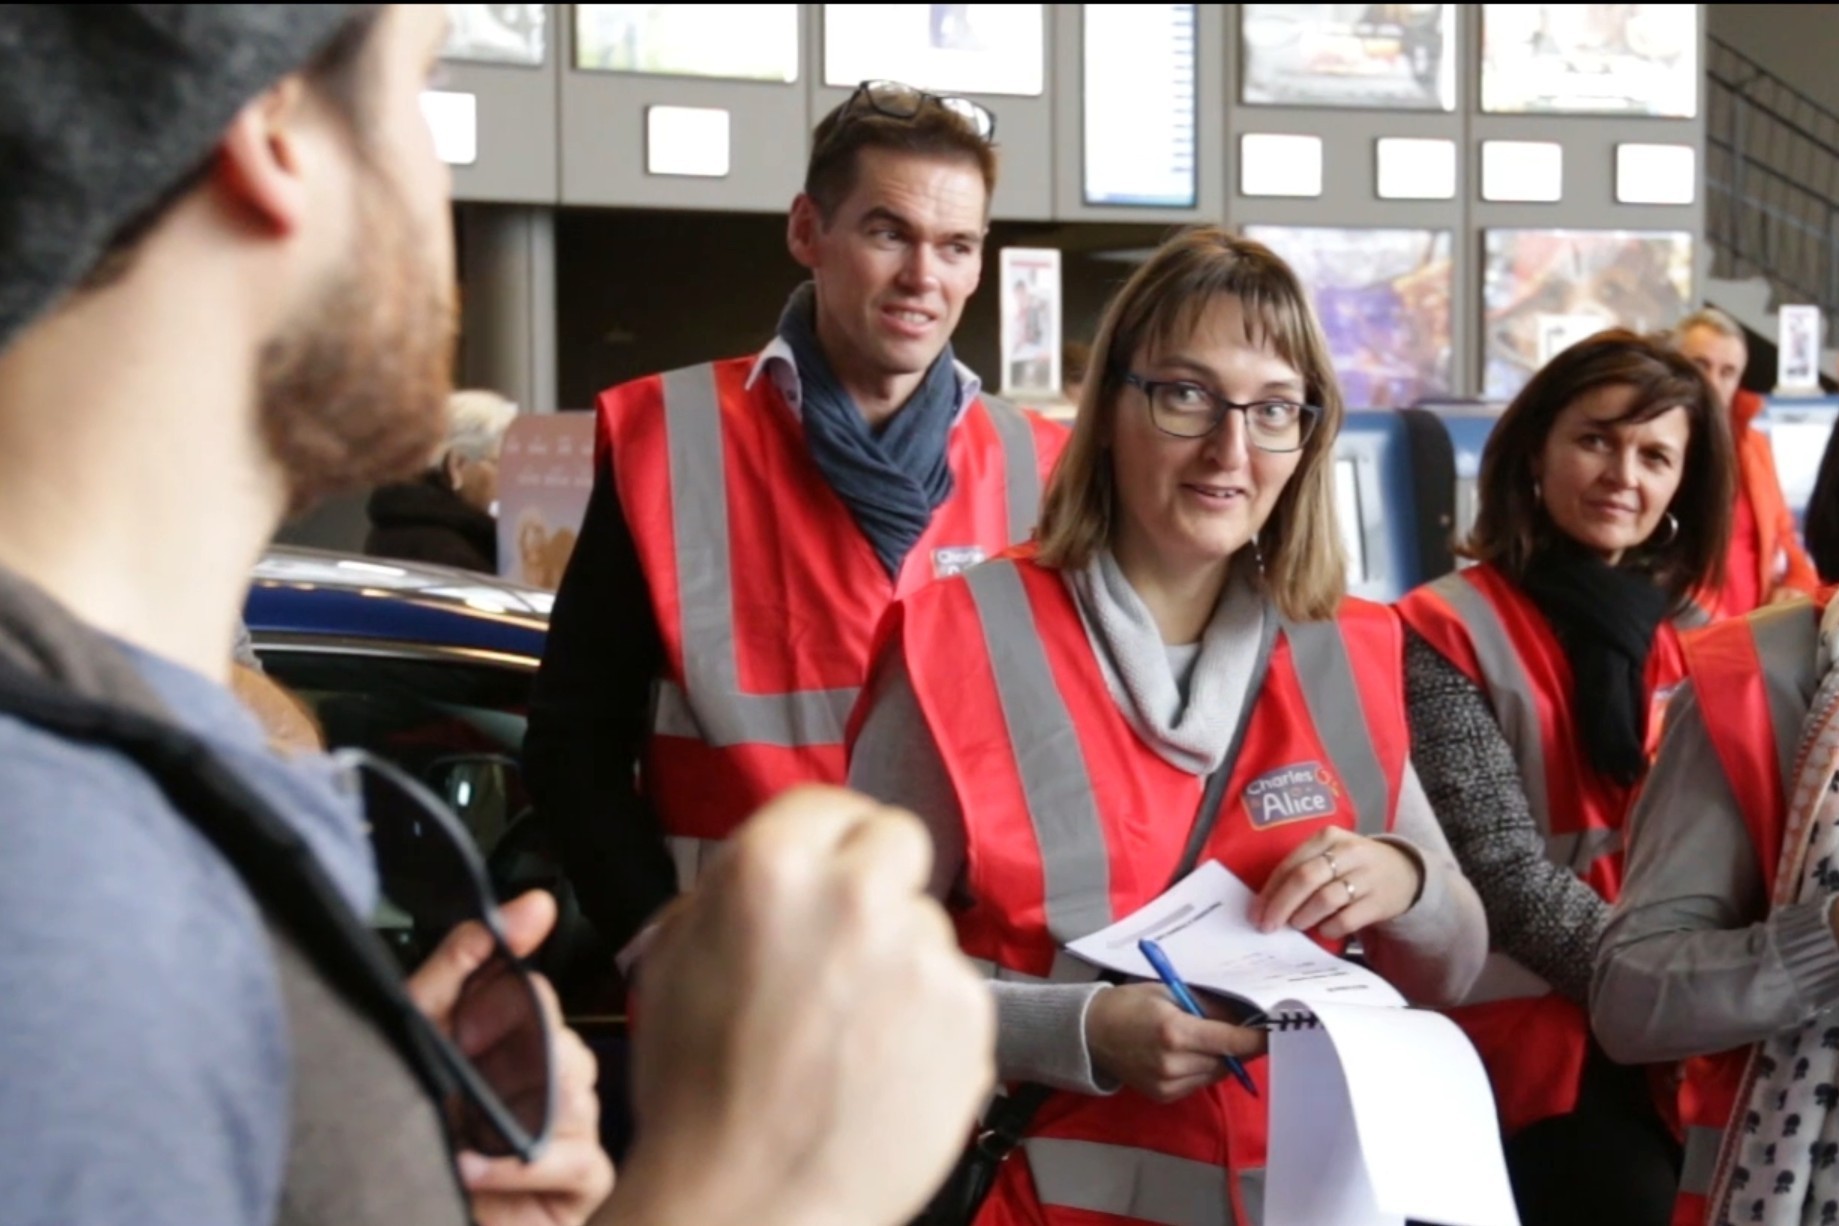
(226, 290)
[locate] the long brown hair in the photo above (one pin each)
(1512, 525)
(1161, 305)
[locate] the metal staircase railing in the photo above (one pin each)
(1772, 181)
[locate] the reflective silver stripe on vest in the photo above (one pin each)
(1021, 468)
(1128, 1182)
(690, 855)
(1510, 693)
(1326, 675)
(1692, 616)
(1786, 639)
(1582, 848)
(1075, 864)
(1700, 1167)
(714, 710)
(1251, 1193)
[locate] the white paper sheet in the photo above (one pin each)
(1379, 1115)
(1203, 925)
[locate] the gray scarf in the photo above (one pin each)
(1191, 736)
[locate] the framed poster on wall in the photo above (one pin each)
(497, 33)
(1381, 56)
(961, 48)
(1590, 59)
(1546, 288)
(746, 42)
(1030, 333)
(1138, 100)
(1383, 297)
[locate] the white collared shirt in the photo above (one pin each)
(777, 359)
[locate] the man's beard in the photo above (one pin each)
(354, 392)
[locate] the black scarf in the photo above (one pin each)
(891, 480)
(1605, 618)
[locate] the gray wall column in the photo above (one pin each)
(508, 312)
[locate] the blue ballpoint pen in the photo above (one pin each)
(1165, 971)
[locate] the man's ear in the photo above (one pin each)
(802, 227)
(261, 160)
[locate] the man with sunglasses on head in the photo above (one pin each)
(753, 517)
(226, 290)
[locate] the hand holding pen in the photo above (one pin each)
(1165, 971)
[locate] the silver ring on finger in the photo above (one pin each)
(1352, 892)
(1333, 871)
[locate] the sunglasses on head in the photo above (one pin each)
(499, 1055)
(897, 101)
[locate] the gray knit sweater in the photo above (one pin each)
(1541, 914)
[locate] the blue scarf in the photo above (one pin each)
(892, 479)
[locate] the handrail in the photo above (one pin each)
(1757, 70)
(1770, 199)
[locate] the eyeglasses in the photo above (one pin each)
(1188, 410)
(429, 869)
(898, 101)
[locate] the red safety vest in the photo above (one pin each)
(766, 593)
(1738, 666)
(1071, 822)
(1532, 1040)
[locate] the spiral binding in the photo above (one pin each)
(1283, 1021)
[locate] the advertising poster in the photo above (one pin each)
(1381, 56)
(1797, 351)
(960, 48)
(1030, 321)
(1601, 59)
(496, 33)
(1139, 105)
(545, 474)
(748, 42)
(1541, 286)
(1383, 297)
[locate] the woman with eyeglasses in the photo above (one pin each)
(1059, 713)
(1536, 681)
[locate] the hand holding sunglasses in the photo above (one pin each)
(572, 1175)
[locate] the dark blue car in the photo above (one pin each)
(431, 667)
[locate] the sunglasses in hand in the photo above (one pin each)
(498, 1056)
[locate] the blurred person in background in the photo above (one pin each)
(449, 514)
(1536, 680)
(1765, 563)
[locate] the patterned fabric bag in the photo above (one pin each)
(1784, 1171)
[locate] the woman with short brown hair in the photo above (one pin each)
(1535, 682)
(1173, 673)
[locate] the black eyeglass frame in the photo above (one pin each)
(981, 118)
(1312, 414)
(526, 1145)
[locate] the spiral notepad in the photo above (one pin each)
(1378, 1112)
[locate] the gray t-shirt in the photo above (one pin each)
(144, 1059)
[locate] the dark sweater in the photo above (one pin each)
(426, 521)
(1539, 913)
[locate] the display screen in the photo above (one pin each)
(964, 48)
(747, 42)
(1602, 59)
(496, 33)
(1382, 56)
(1545, 289)
(1139, 105)
(1383, 297)
(1798, 436)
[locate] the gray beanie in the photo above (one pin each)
(106, 108)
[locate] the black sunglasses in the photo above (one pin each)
(898, 101)
(500, 1056)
